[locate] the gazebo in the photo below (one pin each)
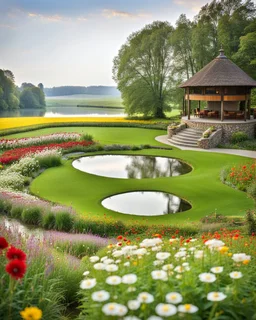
(224, 86)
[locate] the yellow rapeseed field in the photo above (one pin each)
(8, 123)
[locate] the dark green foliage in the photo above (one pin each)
(32, 97)
(251, 190)
(251, 222)
(32, 216)
(48, 220)
(63, 221)
(86, 137)
(5, 207)
(9, 95)
(239, 137)
(143, 71)
(16, 212)
(78, 249)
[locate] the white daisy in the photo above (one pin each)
(145, 297)
(187, 308)
(100, 296)
(217, 269)
(173, 297)
(236, 275)
(216, 296)
(159, 274)
(133, 304)
(162, 255)
(165, 309)
(129, 278)
(113, 280)
(88, 283)
(111, 267)
(207, 277)
(94, 259)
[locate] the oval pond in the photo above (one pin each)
(146, 203)
(131, 167)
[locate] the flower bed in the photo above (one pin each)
(15, 154)
(42, 140)
(185, 278)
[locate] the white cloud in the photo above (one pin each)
(8, 26)
(194, 5)
(47, 18)
(109, 13)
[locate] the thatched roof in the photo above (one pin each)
(220, 72)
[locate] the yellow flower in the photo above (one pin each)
(230, 254)
(246, 261)
(223, 249)
(31, 313)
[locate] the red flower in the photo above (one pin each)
(14, 253)
(16, 268)
(3, 243)
(119, 237)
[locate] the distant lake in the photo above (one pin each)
(52, 112)
(66, 106)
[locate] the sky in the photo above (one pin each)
(74, 42)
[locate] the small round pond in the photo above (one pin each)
(131, 167)
(146, 203)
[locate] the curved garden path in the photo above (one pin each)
(242, 153)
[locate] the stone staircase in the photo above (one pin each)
(186, 138)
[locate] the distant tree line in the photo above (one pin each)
(13, 97)
(155, 60)
(70, 90)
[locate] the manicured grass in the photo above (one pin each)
(202, 187)
(103, 135)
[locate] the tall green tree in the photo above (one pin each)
(182, 47)
(9, 97)
(143, 70)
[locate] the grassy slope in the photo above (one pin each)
(202, 187)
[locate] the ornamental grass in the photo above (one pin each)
(208, 277)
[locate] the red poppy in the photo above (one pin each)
(3, 243)
(119, 237)
(16, 268)
(14, 253)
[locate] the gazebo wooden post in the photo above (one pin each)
(222, 105)
(249, 108)
(199, 105)
(183, 106)
(189, 104)
(245, 107)
(189, 108)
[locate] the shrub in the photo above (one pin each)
(5, 207)
(16, 212)
(214, 218)
(11, 180)
(86, 137)
(78, 249)
(48, 220)
(32, 215)
(25, 166)
(49, 158)
(251, 222)
(251, 190)
(239, 136)
(63, 221)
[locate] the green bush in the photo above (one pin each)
(32, 215)
(78, 249)
(251, 222)
(251, 190)
(48, 220)
(239, 137)
(86, 137)
(5, 207)
(63, 221)
(16, 212)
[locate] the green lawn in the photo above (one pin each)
(84, 99)
(201, 187)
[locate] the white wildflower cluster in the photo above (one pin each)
(132, 280)
(25, 166)
(11, 180)
(27, 142)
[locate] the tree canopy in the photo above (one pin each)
(156, 59)
(143, 70)
(11, 97)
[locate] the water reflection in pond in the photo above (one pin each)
(146, 203)
(131, 167)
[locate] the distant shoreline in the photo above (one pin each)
(91, 106)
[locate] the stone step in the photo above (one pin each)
(189, 134)
(184, 138)
(184, 144)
